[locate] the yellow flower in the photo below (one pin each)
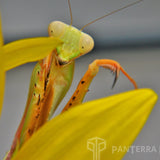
(117, 120)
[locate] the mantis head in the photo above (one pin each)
(75, 42)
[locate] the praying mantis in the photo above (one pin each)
(52, 77)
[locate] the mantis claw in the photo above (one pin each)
(116, 72)
(115, 79)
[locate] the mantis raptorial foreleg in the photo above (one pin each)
(93, 69)
(49, 83)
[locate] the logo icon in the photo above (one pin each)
(96, 145)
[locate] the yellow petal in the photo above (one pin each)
(117, 119)
(27, 50)
(22, 51)
(1, 35)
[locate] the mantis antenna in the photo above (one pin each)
(131, 4)
(69, 4)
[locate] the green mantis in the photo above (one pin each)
(52, 77)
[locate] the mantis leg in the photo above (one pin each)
(50, 88)
(50, 82)
(93, 69)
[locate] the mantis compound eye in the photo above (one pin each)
(86, 43)
(56, 29)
